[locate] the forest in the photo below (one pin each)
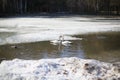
(108, 7)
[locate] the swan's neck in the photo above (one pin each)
(61, 38)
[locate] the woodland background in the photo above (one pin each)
(108, 7)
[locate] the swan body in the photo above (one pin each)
(66, 42)
(55, 41)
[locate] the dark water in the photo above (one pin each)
(100, 46)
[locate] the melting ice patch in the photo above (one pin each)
(0, 40)
(58, 69)
(44, 29)
(33, 37)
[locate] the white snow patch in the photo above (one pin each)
(58, 69)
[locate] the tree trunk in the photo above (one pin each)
(3, 5)
(21, 6)
(25, 6)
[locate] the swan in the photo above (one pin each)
(60, 41)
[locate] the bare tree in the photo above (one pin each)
(4, 3)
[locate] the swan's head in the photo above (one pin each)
(61, 37)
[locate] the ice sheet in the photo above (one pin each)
(46, 29)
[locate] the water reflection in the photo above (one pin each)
(100, 46)
(38, 50)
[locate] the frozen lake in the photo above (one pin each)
(91, 37)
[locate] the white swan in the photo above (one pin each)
(60, 41)
(66, 43)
